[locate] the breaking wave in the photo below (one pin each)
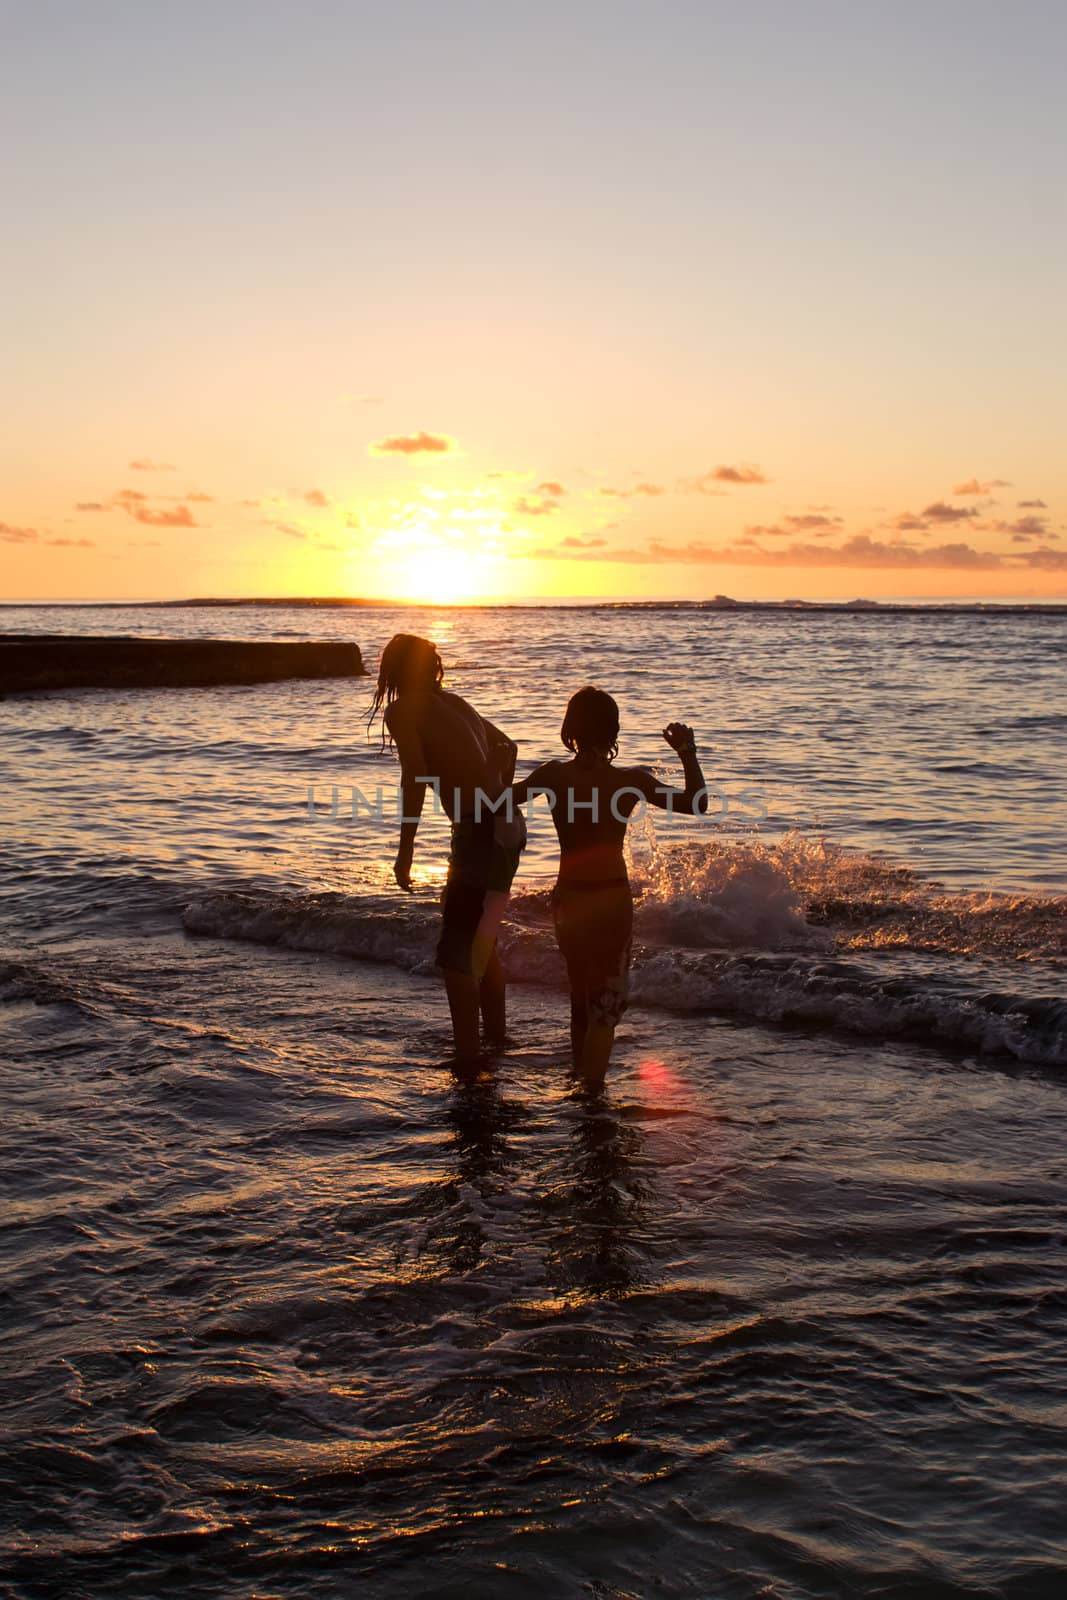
(799, 932)
(804, 891)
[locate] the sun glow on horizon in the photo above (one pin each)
(438, 574)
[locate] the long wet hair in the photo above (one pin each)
(591, 723)
(407, 662)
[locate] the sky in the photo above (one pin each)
(455, 301)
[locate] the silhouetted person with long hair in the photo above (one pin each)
(441, 740)
(592, 801)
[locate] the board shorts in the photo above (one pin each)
(481, 865)
(594, 929)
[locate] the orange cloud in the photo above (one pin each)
(571, 548)
(809, 522)
(1044, 560)
(649, 489)
(939, 511)
(289, 529)
(414, 444)
(11, 535)
(180, 517)
(551, 487)
(858, 551)
(90, 505)
(907, 522)
(972, 486)
(1031, 505)
(145, 464)
(705, 483)
(200, 499)
(1030, 527)
(524, 507)
(135, 504)
(73, 544)
(315, 497)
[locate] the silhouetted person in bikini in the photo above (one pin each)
(591, 802)
(443, 742)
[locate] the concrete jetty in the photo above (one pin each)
(31, 661)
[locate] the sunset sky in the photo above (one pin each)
(463, 300)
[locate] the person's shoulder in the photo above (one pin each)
(456, 704)
(641, 778)
(400, 711)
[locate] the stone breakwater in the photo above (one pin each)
(60, 661)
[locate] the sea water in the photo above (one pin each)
(290, 1312)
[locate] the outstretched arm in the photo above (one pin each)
(404, 729)
(693, 799)
(540, 778)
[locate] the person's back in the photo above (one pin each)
(447, 739)
(442, 741)
(591, 801)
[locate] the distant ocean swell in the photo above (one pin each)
(753, 930)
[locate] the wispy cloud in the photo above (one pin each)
(706, 482)
(13, 535)
(290, 530)
(136, 506)
(806, 522)
(414, 444)
(569, 549)
(146, 464)
(315, 497)
(72, 544)
(649, 490)
(941, 511)
(524, 506)
(178, 517)
(975, 486)
(907, 522)
(859, 551)
(1045, 560)
(1028, 527)
(1031, 505)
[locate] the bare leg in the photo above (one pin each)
(462, 991)
(579, 1024)
(492, 997)
(596, 1052)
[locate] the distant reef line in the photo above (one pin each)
(35, 661)
(859, 607)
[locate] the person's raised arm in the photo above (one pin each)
(693, 799)
(403, 727)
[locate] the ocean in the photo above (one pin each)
(290, 1312)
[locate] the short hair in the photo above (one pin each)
(591, 721)
(407, 662)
